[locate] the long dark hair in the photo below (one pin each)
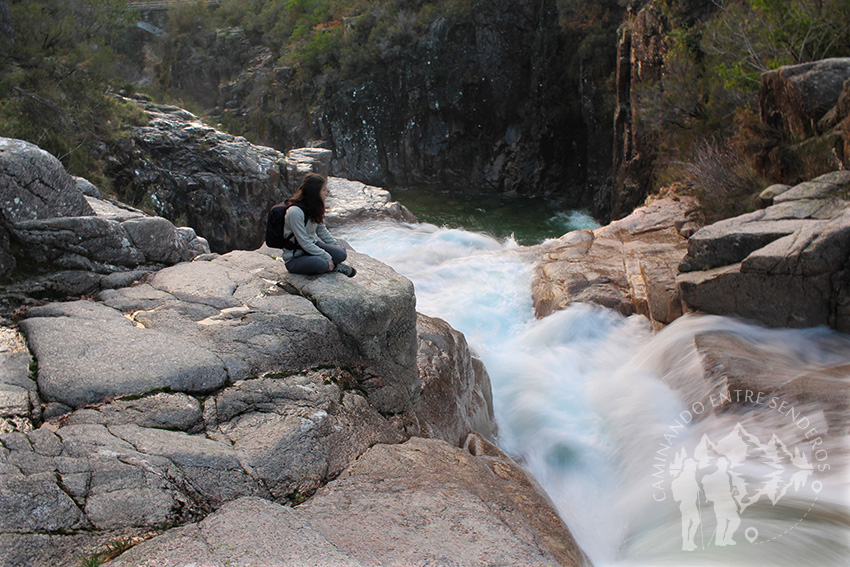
(307, 197)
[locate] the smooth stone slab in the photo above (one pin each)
(98, 353)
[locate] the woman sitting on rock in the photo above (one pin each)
(318, 251)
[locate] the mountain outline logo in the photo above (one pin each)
(712, 478)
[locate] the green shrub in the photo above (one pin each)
(56, 84)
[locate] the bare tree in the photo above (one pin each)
(761, 35)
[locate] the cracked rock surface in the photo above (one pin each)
(210, 382)
(423, 502)
(786, 265)
(47, 221)
(215, 380)
(202, 400)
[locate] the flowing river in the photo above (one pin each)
(582, 400)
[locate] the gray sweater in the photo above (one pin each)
(306, 235)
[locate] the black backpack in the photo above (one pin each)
(274, 228)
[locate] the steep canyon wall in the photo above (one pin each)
(495, 99)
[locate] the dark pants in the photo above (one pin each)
(307, 264)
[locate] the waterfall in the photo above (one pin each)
(604, 414)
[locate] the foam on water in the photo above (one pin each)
(477, 283)
(583, 399)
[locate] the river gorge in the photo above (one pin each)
(600, 315)
(587, 400)
(626, 422)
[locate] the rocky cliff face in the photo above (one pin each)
(48, 223)
(802, 131)
(218, 183)
(641, 47)
(211, 60)
(808, 107)
(222, 185)
(476, 113)
(7, 37)
(485, 101)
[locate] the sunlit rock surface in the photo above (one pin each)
(786, 265)
(421, 502)
(629, 265)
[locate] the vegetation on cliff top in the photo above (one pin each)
(68, 56)
(56, 76)
(704, 112)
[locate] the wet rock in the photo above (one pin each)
(738, 365)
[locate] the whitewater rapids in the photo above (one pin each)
(583, 398)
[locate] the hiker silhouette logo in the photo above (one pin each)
(728, 479)
(709, 476)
